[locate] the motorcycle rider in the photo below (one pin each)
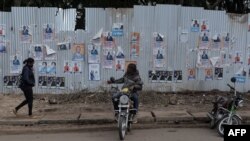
(133, 82)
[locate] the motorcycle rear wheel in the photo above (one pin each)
(224, 121)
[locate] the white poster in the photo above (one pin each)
(94, 72)
(119, 64)
(25, 34)
(51, 67)
(67, 67)
(158, 54)
(36, 51)
(2, 29)
(63, 46)
(93, 53)
(76, 67)
(108, 58)
(43, 67)
(15, 64)
(48, 32)
(204, 40)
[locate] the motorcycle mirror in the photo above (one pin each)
(233, 79)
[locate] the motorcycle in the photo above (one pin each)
(230, 116)
(125, 111)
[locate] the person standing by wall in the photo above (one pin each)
(27, 82)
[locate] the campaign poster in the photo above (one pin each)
(117, 29)
(48, 32)
(67, 67)
(51, 67)
(108, 58)
(248, 59)
(63, 46)
(129, 62)
(204, 40)
(25, 34)
(10, 81)
(226, 40)
(36, 51)
(208, 74)
(108, 40)
(162, 76)
(152, 76)
(43, 81)
(3, 47)
(178, 76)
(238, 57)
(48, 53)
(158, 40)
(94, 72)
(203, 59)
(15, 64)
(134, 50)
(60, 82)
(204, 25)
(191, 74)
(42, 67)
(93, 53)
(158, 54)
(169, 76)
(51, 82)
(135, 38)
(119, 64)
(76, 67)
(248, 24)
(78, 52)
(195, 26)
(2, 29)
(216, 43)
(120, 53)
(240, 75)
(218, 73)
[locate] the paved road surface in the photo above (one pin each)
(164, 134)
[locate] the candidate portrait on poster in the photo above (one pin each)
(51, 68)
(76, 67)
(119, 64)
(108, 58)
(204, 40)
(15, 64)
(94, 72)
(93, 53)
(67, 67)
(25, 34)
(43, 67)
(42, 81)
(195, 26)
(78, 52)
(218, 73)
(191, 74)
(63, 46)
(48, 32)
(208, 74)
(178, 76)
(60, 82)
(3, 47)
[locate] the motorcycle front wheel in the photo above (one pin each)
(225, 121)
(122, 127)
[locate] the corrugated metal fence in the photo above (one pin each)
(168, 20)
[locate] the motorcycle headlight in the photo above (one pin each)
(240, 103)
(124, 99)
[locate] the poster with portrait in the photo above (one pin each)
(2, 29)
(94, 72)
(119, 64)
(134, 50)
(204, 40)
(78, 52)
(51, 82)
(216, 43)
(238, 57)
(76, 67)
(248, 59)
(208, 74)
(204, 25)
(158, 40)
(117, 29)
(191, 74)
(42, 67)
(25, 34)
(43, 81)
(178, 76)
(48, 53)
(248, 24)
(108, 40)
(162, 76)
(183, 37)
(60, 82)
(94, 53)
(63, 46)
(159, 55)
(224, 58)
(152, 77)
(36, 51)
(67, 66)
(15, 64)
(195, 26)
(51, 67)
(226, 40)
(218, 73)
(169, 76)
(3, 47)
(10, 81)
(129, 62)
(203, 59)
(135, 38)
(48, 32)
(108, 58)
